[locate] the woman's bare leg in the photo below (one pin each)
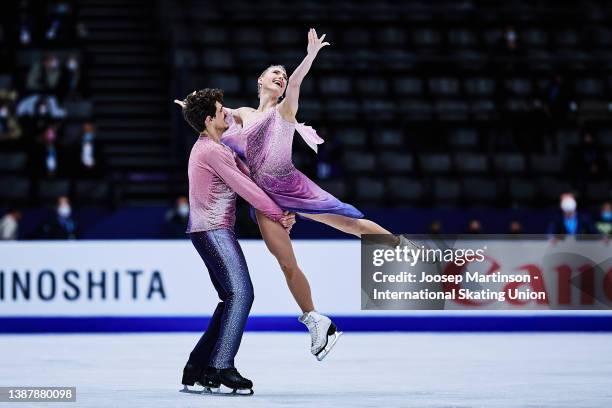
(355, 226)
(278, 243)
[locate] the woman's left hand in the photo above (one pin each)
(314, 42)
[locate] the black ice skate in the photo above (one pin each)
(193, 377)
(230, 378)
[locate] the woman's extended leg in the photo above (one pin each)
(355, 226)
(278, 243)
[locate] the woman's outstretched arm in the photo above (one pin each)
(289, 106)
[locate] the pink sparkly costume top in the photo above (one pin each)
(265, 145)
(215, 176)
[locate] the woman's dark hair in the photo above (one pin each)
(197, 106)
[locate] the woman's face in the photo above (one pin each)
(273, 80)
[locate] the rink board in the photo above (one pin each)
(135, 286)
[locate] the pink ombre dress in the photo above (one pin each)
(265, 145)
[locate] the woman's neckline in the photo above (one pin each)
(265, 114)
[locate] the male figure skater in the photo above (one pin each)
(215, 176)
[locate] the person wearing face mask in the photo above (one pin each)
(604, 221)
(62, 224)
(70, 78)
(570, 221)
(176, 219)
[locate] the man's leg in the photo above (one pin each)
(226, 263)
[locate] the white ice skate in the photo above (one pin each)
(323, 333)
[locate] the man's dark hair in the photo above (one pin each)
(199, 105)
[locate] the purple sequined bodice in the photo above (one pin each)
(268, 148)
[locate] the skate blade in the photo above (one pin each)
(188, 390)
(228, 392)
(330, 346)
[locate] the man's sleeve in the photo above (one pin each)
(224, 165)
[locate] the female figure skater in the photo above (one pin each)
(263, 137)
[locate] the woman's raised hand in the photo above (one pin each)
(314, 42)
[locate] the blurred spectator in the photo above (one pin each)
(176, 219)
(603, 224)
(586, 161)
(9, 125)
(570, 221)
(62, 225)
(70, 79)
(515, 227)
(38, 105)
(474, 226)
(79, 152)
(510, 40)
(435, 228)
(44, 76)
(9, 225)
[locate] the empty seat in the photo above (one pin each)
(285, 36)
(451, 110)
(358, 162)
(461, 38)
(435, 163)
(12, 162)
(14, 189)
(356, 37)
(522, 190)
(589, 86)
(354, 137)
(49, 190)
(343, 109)
(378, 109)
(509, 163)
(567, 137)
(408, 86)
(444, 86)
(395, 162)
(218, 58)
(425, 37)
(483, 109)
(211, 35)
(391, 36)
(534, 38)
(248, 35)
(92, 192)
(599, 191)
(463, 138)
(370, 189)
(416, 109)
(519, 86)
(549, 189)
(372, 86)
(405, 189)
(229, 83)
(480, 86)
(389, 137)
(604, 136)
(446, 191)
(471, 162)
(566, 38)
(335, 85)
(545, 164)
(480, 190)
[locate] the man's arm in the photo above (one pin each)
(224, 165)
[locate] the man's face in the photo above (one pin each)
(218, 122)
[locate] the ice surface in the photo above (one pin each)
(363, 370)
